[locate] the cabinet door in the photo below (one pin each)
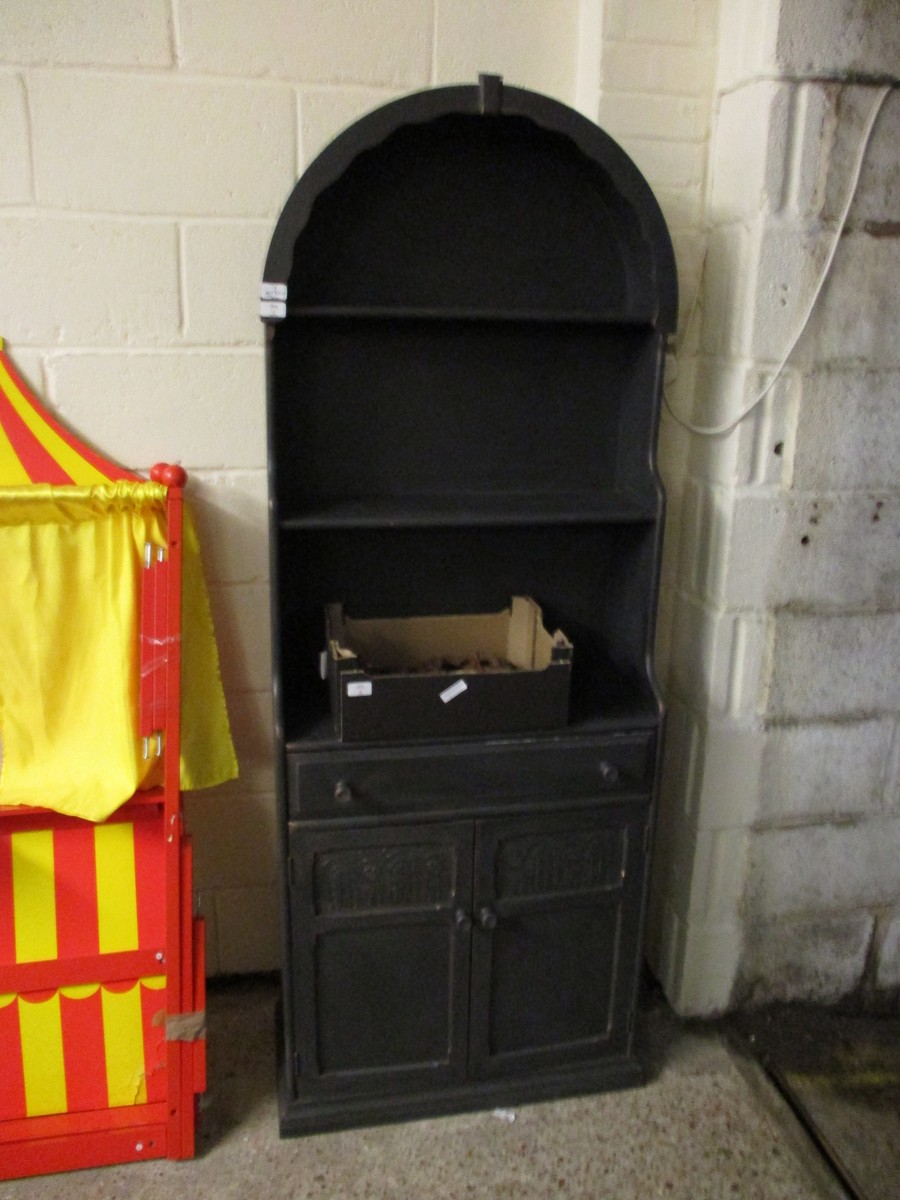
(380, 931)
(555, 943)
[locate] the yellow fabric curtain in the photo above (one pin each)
(207, 751)
(69, 586)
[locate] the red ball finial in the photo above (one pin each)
(169, 473)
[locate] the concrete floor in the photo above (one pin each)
(708, 1124)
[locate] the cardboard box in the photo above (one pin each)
(449, 676)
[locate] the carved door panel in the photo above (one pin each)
(554, 945)
(381, 942)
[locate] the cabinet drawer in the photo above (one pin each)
(374, 782)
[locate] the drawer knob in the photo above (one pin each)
(609, 773)
(487, 918)
(461, 919)
(343, 792)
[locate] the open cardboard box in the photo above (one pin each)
(425, 677)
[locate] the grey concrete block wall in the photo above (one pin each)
(786, 599)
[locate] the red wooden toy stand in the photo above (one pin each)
(102, 969)
(102, 1051)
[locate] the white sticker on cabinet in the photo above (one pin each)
(454, 690)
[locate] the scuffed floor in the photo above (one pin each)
(709, 1124)
(841, 1075)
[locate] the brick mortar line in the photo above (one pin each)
(166, 74)
(42, 212)
(168, 350)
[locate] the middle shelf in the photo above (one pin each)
(616, 506)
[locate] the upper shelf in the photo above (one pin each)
(608, 506)
(434, 200)
(642, 318)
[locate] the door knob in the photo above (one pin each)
(609, 773)
(487, 918)
(461, 919)
(343, 792)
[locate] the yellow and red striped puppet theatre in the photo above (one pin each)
(101, 960)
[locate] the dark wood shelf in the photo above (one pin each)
(387, 312)
(626, 708)
(608, 507)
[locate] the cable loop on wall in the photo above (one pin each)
(728, 426)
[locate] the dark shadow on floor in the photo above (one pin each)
(840, 1073)
(241, 1054)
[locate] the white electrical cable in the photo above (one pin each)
(728, 426)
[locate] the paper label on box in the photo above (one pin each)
(454, 690)
(360, 688)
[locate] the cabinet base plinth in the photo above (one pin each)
(305, 1116)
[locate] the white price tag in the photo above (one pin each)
(360, 688)
(454, 690)
(272, 308)
(273, 291)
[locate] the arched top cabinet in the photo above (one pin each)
(467, 298)
(476, 200)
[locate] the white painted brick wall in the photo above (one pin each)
(251, 726)
(222, 265)
(747, 37)
(129, 33)
(676, 70)
(161, 145)
(760, 450)
(196, 407)
(530, 43)
(15, 177)
(656, 76)
(375, 42)
(748, 177)
(90, 281)
(232, 508)
(673, 22)
(717, 659)
(662, 118)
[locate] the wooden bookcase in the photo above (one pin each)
(467, 297)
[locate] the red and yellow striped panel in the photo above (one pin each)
(81, 890)
(35, 448)
(83, 1048)
(76, 891)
